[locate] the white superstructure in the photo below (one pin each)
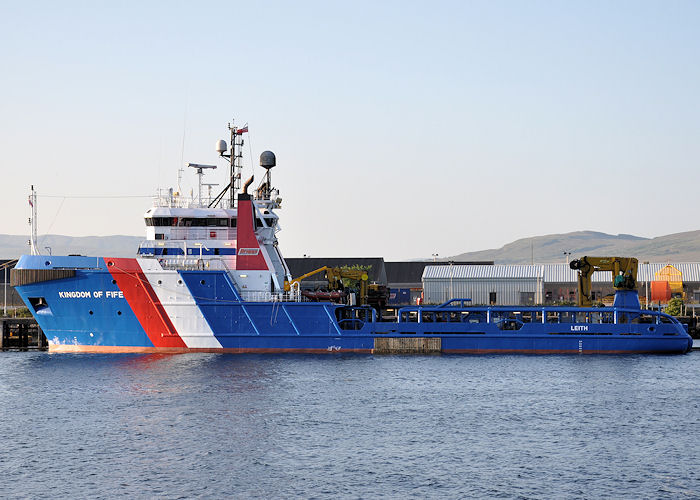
(206, 234)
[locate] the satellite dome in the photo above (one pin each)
(267, 159)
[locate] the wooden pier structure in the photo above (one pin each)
(21, 334)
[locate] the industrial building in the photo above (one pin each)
(10, 297)
(490, 285)
(547, 283)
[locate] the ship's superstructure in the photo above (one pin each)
(235, 233)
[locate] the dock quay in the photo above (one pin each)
(21, 334)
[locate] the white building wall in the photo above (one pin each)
(439, 290)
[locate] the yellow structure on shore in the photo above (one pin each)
(673, 276)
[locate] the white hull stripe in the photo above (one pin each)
(180, 306)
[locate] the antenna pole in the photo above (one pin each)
(32, 221)
(200, 174)
(232, 159)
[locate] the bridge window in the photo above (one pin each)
(161, 221)
(190, 221)
(217, 222)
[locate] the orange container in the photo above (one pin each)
(660, 291)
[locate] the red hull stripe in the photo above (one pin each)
(144, 302)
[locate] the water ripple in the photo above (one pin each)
(203, 426)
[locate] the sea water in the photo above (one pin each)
(336, 426)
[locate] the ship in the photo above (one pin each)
(210, 277)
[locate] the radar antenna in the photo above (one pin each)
(200, 173)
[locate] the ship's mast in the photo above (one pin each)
(32, 222)
(235, 159)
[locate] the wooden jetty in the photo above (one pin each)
(21, 334)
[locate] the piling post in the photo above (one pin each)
(23, 336)
(40, 338)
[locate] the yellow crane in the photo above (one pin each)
(335, 276)
(624, 271)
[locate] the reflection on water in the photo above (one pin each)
(218, 425)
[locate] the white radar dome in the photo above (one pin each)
(221, 146)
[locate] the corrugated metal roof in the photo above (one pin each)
(690, 271)
(561, 273)
(552, 273)
(483, 272)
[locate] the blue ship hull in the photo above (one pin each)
(88, 304)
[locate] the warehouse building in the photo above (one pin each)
(9, 297)
(547, 283)
(484, 285)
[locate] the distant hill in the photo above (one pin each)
(679, 247)
(12, 246)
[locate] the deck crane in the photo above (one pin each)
(624, 271)
(335, 276)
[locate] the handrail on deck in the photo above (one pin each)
(451, 301)
(489, 310)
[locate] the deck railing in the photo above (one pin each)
(271, 297)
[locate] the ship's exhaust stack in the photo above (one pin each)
(249, 255)
(247, 184)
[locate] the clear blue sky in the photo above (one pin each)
(401, 128)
